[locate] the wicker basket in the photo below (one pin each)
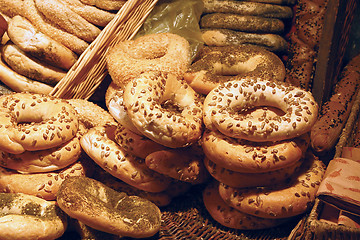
(89, 71)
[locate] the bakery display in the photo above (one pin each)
(228, 131)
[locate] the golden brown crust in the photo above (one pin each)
(137, 145)
(242, 180)
(226, 37)
(281, 201)
(335, 112)
(105, 4)
(28, 217)
(251, 157)
(20, 83)
(216, 65)
(29, 66)
(42, 185)
(179, 124)
(165, 52)
(244, 23)
(181, 164)
(49, 122)
(223, 104)
(32, 41)
(99, 144)
(230, 217)
(105, 209)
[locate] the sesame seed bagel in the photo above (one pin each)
(224, 105)
(114, 100)
(217, 65)
(230, 217)
(42, 185)
(281, 201)
(25, 217)
(165, 52)
(99, 145)
(107, 210)
(164, 109)
(250, 157)
(242, 180)
(135, 144)
(35, 122)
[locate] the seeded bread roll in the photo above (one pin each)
(335, 112)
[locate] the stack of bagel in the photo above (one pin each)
(261, 23)
(263, 174)
(45, 38)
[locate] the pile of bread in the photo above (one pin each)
(157, 136)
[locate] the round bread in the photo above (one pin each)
(222, 37)
(255, 24)
(35, 122)
(137, 145)
(29, 66)
(104, 209)
(243, 180)
(164, 109)
(224, 104)
(248, 8)
(30, 40)
(250, 157)
(47, 160)
(99, 144)
(217, 65)
(165, 52)
(42, 185)
(25, 217)
(181, 164)
(283, 200)
(230, 217)
(114, 100)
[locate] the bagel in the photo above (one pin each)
(137, 145)
(25, 217)
(243, 156)
(47, 160)
(283, 200)
(99, 144)
(230, 217)
(244, 180)
(42, 185)
(114, 100)
(104, 209)
(255, 24)
(146, 99)
(29, 39)
(248, 8)
(227, 37)
(165, 52)
(29, 66)
(35, 122)
(216, 65)
(223, 106)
